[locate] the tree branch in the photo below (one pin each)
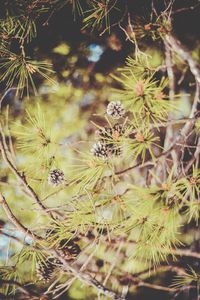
(184, 53)
(15, 221)
(22, 178)
(86, 278)
(185, 9)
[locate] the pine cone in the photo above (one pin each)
(105, 134)
(116, 150)
(101, 150)
(69, 249)
(56, 177)
(109, 136)
(115, 110)
(45, 269)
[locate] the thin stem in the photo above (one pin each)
(15, 221)
(5, 94)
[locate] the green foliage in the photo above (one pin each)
(76, 7)
(117, 210)
(152, 26)
(19, 70)
(98, 14)
(10, 274)
(144, 141)
(141, 93)
(190, 277)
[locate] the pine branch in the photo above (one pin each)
(87, 279)
(193, 159)
(84, 277)
(31, 295)
(161, 269)
(187, 129)
(140, 283)
(185, 9)
(180, 138)
(186, 253)
(16, 222)
(22, 178)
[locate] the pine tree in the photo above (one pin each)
(99, 173)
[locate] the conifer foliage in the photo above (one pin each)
(99, 174)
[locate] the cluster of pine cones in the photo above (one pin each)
(45, 269)
(107, 145)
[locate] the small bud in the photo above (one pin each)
(32, 69)
(160, 96)
(193, 180)
(139, 88)
(5, 36)
(12, 58)
(165, 187)
(139, 137)
(147, 26)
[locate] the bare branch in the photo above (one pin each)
(194, 158)
(185, 9)
(184, 53)
(185, 252)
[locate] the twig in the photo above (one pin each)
(22, 178)
(185, 9)
(115, 259)
(195, 157)
(156, 287)
(69, 282)
(5, 94)
(173, 122)
(162, 268)
(126, 33)
(180, 137)
(169, 130)
(187, 253)
(154, 8)
(187, 129)
(147, 163)
(117, 23)
(84, 277)
(15, 221)
(87, 279)
(19, 286)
